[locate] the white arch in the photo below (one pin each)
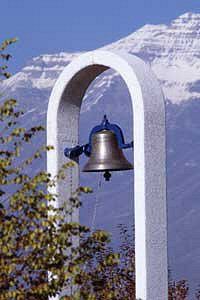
(149, 154)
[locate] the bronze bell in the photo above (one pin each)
(104, 150)
(106, 154)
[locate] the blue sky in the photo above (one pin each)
(50, 26)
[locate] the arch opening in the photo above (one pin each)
(107, 94)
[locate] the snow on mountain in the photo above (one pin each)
(173, 53)
(40, 72)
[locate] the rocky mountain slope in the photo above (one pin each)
(173, 52)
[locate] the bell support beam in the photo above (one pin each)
(149, 154)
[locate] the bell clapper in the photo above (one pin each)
(107, 175)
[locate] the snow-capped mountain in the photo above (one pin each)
(173, 52)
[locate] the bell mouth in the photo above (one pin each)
(99, 168)
(104, 170)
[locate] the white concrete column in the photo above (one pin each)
(149, 154)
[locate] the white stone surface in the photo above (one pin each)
(149, 154)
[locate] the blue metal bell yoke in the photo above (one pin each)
(76, 151)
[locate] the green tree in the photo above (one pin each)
(34, 236)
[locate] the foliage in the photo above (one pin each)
(178, 290)
(5, 57)
(116, 279)
(34, 236)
